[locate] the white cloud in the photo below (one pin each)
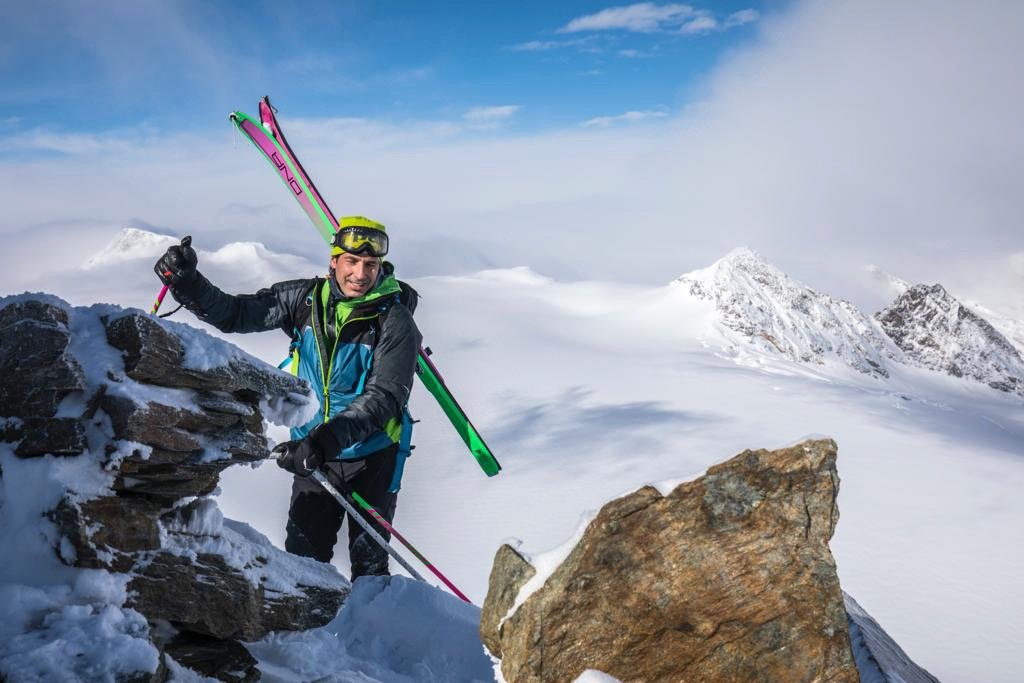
(628, 117)
(491, 114)
(702, 24)
(642, 17)
(744, 16)
(547, 45)
(649, 17)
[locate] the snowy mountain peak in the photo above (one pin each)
(779, 315)
(936, 331)
(739, 260)
(130, 243)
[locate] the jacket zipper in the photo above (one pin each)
(325, 375)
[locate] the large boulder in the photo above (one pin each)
(725, 578)
(144, 416)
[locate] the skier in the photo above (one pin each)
(354, 340)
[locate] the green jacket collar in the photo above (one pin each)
(331, 296)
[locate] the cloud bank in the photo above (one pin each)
(846, 134)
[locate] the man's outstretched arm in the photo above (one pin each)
(267, 309)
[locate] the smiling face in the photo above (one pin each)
(355, 274)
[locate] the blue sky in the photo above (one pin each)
(72, 66)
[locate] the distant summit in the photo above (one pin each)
(936, 331)
(130, 243)
(779, 315)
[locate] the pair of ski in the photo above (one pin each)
(267, 136)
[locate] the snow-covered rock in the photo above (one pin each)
(763, 306)
(114, 428)
(936, 331)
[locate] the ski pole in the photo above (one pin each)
(185, 241)
(329, 487)
(160, 296)
(384, 523)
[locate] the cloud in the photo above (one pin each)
(744, 16)
(491, 114)
(547, 45)
(702, 24)
(649, 17)
(642, 17)
(628, 117)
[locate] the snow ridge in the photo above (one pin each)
(936, 331)
(130, 243)
(779, 315)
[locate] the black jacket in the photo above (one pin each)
(388, 329)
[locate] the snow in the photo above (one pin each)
(595, 676)
(247, 550)
(392, 630)
(129, 244)
(547, 562)
(57, 622)
(587, 389)
(878, 658)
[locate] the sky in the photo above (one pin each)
(601, 141)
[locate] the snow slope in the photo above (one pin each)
(586, 390)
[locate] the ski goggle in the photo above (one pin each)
(358, 240)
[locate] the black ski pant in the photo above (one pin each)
(315, 517)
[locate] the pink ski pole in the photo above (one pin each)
(185, 241)
(426, 563)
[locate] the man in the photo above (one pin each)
(354, 340)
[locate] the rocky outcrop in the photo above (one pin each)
(727, 578)
(152, 412)
(935, 331)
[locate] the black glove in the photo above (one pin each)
(178, 264)
(300, 457)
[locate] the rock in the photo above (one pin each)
(727, 578)
(219, 601)
(104, 532)
(53, 435)
(36, 369)
(224, 660)
(936, 331)
(153, 355)
(509, 573)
